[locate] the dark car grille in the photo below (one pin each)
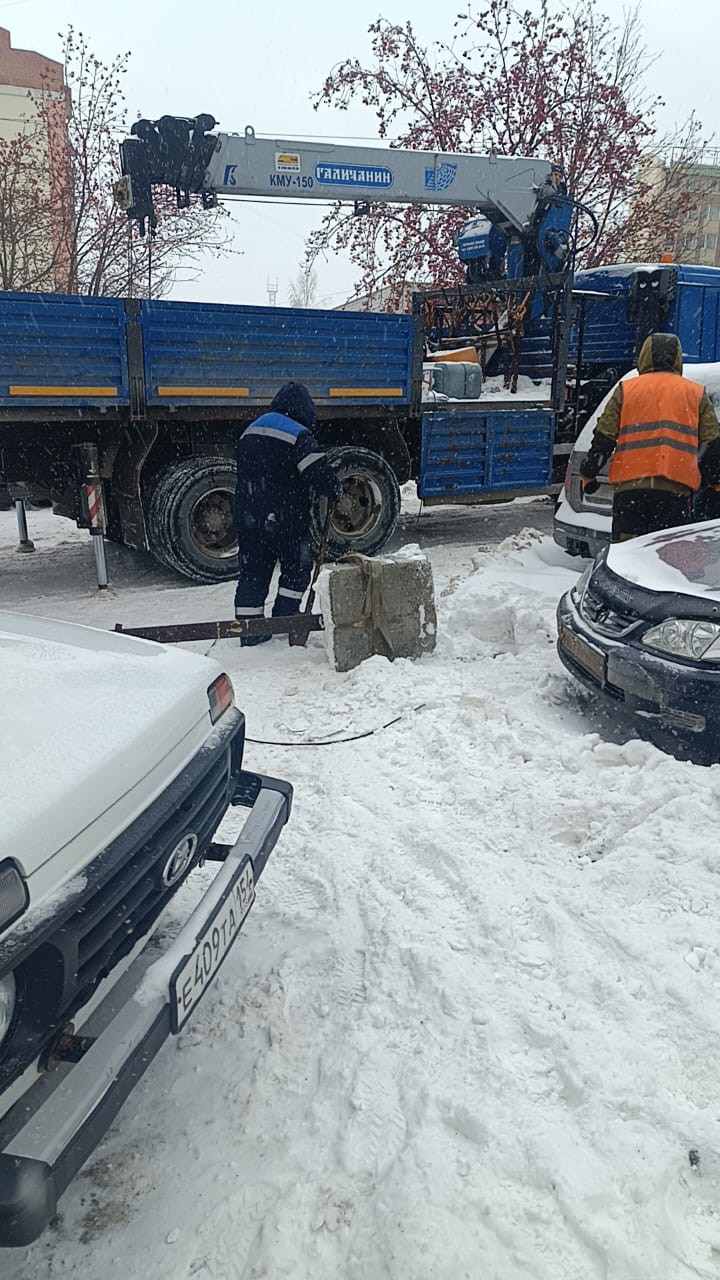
(603, 619)
(107, 928)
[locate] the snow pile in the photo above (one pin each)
(472, 1026)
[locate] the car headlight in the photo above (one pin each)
(7, 1003)
(686, 638)
(13, 893)
(578, 591)
(221, 695)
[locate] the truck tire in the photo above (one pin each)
(367, 513)
(189, 519)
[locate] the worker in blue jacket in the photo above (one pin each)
(280, 465)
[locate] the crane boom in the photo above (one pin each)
(248, 165)
(521, 196)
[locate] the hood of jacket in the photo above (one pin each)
(660, 353)
(294, 401)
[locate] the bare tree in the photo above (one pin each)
(27, 253)
(60, 228)
(543, 80)
(103, 257)
(668, 195)
(303, 287)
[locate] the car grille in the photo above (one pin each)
(103, 931)
(603, 619)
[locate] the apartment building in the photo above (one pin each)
(694, 188)
(35, 105)
(700, 239)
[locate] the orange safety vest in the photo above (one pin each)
(658, 430)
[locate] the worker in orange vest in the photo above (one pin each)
(664, 438)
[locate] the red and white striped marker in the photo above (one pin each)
(95, 505)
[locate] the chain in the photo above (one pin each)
(516, 314)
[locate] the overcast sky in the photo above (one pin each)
(259, 64)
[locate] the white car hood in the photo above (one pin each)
(85, 718)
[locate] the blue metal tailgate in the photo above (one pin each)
(62, 350)
(214, 354)
(498, 451)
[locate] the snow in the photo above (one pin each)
(72, 684)
(494, 388)
(471, 1028)
(527, 389)
(685, 560)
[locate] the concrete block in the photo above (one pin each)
(385, 605)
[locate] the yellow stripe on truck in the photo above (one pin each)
(366, 391)
(227, 393)
(109, 392)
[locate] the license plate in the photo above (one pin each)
(592, 660)
(191, 980)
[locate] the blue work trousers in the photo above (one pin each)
(258, 555)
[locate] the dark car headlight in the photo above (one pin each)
(685, 638)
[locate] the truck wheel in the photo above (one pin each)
(369, 508)
(189, 519)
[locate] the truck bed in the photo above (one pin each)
(60, 352)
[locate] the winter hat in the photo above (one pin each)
(295, 401)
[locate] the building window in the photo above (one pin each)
(688, 241)
(709, 241)
(711, 212)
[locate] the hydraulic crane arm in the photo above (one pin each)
(187, 155)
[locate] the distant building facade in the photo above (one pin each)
(379, 300)
(700, 240)
(698, 186)
(35, 104)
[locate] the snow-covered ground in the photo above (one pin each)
(471, 1030)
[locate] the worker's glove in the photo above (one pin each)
(588, 474)
(597, 455)
(591, 465)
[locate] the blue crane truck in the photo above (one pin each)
(158, 393)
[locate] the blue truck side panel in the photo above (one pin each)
(50, 341)
(609, 337)
(203, 354)
(466, 453)
(695, 313)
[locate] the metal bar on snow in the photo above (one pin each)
(232, 628)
